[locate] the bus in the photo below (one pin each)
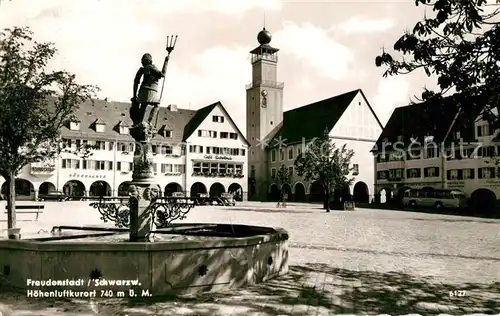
(437, 198)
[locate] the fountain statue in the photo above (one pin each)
(144, 109)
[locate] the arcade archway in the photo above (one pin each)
(46, 187)
(316, 192)
(171, 188)
(217, 189)
(385, 195)
(123, 188)
(300, 192)
(100, 188)
(74, 188)
(24, 189)
(198, 188)
(483, 201)
(274, 193)
(236, 190)
(360, 193)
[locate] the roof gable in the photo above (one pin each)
(437, 118)
(310, 121)
(202, 114)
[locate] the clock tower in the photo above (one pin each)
(264, 113)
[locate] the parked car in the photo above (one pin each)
(178, 195)
(54, 196)
(202, 199)
(227, 199)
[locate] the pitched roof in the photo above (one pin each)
(197, 119)
(439, 119)
(202, 114)
(311, 120)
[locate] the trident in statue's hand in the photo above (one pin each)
(171, 40)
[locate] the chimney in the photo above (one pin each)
(172, 107)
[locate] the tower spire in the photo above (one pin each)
(264, 27)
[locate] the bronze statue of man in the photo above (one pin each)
(147, 98)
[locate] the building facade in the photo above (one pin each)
(277, 137)
(194, 152)
(421, 149)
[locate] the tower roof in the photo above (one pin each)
(264, 37)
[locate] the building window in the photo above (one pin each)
(290, 153)
(282, 155)
(110, 165)
(413, 154)
(119, 165)
(273, 155)
(396, 174)
(431, 153)
(486, 173)
(100, 128)
(74, 126)
(290, 171)
(252, 171)
(155, 167)
(206, 133)
(167, 133)
(224, 135)
(355, 169)
(273, 173)
(483, 130)
(431, 172)
(382, 175)
(299, 151)
(413, 173)
(166, 150)
(218, 119)
(242, 152)
(468, 173)
(454, 174)
(84, 164)
(233, 135)
(124, 130)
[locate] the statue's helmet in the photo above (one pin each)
(147, 59)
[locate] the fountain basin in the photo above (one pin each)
(194, 258)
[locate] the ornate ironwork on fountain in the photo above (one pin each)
(165, 210)
(114, 209)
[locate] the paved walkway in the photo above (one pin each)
(367, 261)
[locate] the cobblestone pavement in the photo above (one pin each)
(366, 261)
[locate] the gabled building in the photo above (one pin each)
(435, 145)
(194, 151)
(277, 137)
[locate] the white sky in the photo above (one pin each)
(326, 47)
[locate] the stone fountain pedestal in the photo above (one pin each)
(142, 189)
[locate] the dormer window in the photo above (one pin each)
(167, 133)
(124, 130)
(74, 126)
(100, 126)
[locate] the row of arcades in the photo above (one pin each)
(481, 198)
(315, 193)
(25, 190)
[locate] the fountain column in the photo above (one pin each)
(143, 188)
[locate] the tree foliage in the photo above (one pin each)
(283, 177)
(34, 105)
(460, 45)
(322, 161)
